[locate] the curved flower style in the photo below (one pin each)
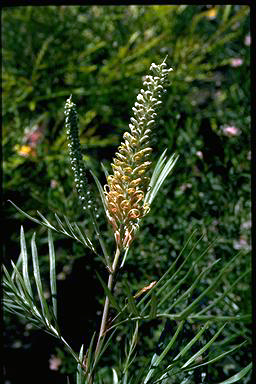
(126, 188)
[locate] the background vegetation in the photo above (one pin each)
(99, 54)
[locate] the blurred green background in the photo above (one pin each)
(100, 54)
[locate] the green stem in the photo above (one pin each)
(105, 312)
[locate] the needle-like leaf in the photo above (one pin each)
(37, 276)
(80, 374)
(218, 357)
(115, 377)
(53, 285)
(192, 342)
(156, 360)
(89, 354)
(61, 227)
(132, 308)
(211, 287)
(103, 199)
(160, 173)
(204, 348)
(238, 376)
(25, 261)
(108, 293)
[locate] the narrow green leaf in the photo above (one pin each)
(81, 239)
(193, 286)
(104, 170)
(25, 261)
(61, 228)
(160, 173)
(165, 286)
(156, 360)
(238, 376)
(42, 51)
(86, 240)
(220, 298)
(8, 278)
(158, 168)
(104, 347)
(204, 348)
(19, 295)
(115, 377)
(192, 342)
(56, 327)
(53, 285)
(168, 272)
(79, 374)
(61, 224)
(8, 305)
(70, 350)
(19, 281)
(24, 213)
(102, 195)
(89, 353)
(211, 287)
(129, 359)
(184, 279)
(170, 344)
(134, 337)
(38, 279)
(227, 9)
(153, 306)
(18, 264)
(46, 222)
(166, 170)
(108, 293)
(245, 318)
(219, 357)
(70, 227)
(124, 257)
(138, 377)
(131, 301)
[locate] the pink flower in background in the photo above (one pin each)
(241, 243)
(247, 40)
(54, 363)
(236, 62)
(34, 137)
(200, 154)
(231, 131)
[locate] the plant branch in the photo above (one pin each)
(105, 311)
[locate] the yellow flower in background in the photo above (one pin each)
(25, 150)
(212, 13)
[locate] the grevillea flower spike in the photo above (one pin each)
(127, 187)
(76, 157)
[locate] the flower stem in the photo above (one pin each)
(105, 310)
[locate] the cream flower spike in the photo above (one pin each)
(126, 188)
